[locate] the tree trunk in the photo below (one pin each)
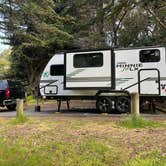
(114, 30)
(100, 23)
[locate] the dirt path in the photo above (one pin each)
(78, 109)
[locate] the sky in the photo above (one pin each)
(2, 46)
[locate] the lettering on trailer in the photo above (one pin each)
(123, 66)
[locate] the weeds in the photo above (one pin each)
(48, 144)
(148, 159)
(21, 119)
(139, 122)
(78, 124)
(31, 99)
(87, 153)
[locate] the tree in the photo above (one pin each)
(35, 31)
(144, 24)
(36, 28)
(88, 30)
(4, 63)
(116, 12)
(156, 9)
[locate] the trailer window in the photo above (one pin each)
(88, 60)
(149, 56)
(57, 70)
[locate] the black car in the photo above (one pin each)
(10, 90)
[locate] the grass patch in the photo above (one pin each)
(149, 159)
(21, 119)
(54, 141)
(139, 122)
(31, 99)
(78, 124)
(87, 153)
(17, 155)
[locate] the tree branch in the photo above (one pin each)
(162, 24)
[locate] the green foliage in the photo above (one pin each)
(35, 31)
(144, 24)
(139, 122)
(21, 119)
(31, 99)
(4, 63)
(122, 23)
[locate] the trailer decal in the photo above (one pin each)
(163, 87)
(123, 66)
(88, 79)
(75, 72)
(46, 74)
(48, 81)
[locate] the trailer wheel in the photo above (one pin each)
(105, 104)
(123, 104)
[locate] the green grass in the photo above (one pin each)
(75, 142)
(87, 153)
(31, 99)
(78, 124)
(139, 122)
(17, 155)
(21, 119)
(148, 159)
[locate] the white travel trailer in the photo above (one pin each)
(106, 76)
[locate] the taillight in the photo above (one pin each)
(7, 93)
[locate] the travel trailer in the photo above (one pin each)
(107, 76)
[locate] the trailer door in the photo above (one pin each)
(149, 82)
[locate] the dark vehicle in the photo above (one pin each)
(10, 90)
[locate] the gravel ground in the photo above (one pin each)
(78, 109)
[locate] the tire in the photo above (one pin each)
(142, 105)
(123, 104)
(105, 104)
(11, 107)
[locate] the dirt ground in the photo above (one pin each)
(84, 106)
(102, 129)
(77, 127)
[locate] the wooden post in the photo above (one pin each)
(19, 107)
(135, 104)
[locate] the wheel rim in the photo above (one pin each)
(104, 105)
(123, 105)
